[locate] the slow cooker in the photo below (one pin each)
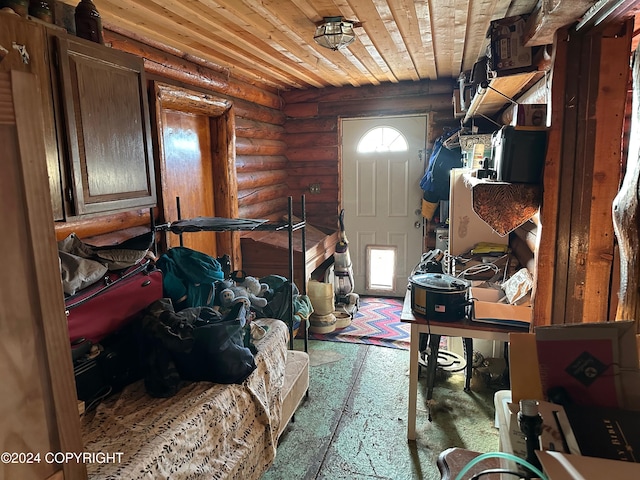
(438, 296)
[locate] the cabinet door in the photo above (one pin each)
(106, 116)
(27, 51)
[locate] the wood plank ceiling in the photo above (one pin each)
(270, 42)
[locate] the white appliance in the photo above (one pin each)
(466, 228)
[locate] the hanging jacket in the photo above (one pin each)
(435, 182)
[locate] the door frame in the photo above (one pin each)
(428, 143)
(223, 129)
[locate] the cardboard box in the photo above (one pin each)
(530, 115)
(507, 49)
(560, 466)
(595, 363)
(489, 307)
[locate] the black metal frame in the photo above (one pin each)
(249, 225)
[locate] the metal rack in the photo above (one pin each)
(219, 224)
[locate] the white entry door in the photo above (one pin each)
(382, 199)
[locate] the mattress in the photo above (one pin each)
(206, 430)
(296, 385)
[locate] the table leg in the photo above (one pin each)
(468, 355)
(432, 363)
(413, 382)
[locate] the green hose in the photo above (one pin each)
(507, 456)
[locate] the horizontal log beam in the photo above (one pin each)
(321, 154)
(365, 93)
(255, 129)
(324, 183)
(202, 73)
(308, 125)
(265, 209)
(257, 163)
(313, 170)
(257, 146)
(387, 106)
(261, 179)
(91, 227)
(312, 140)
(255, 196)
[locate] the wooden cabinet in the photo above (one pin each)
(103, 108)
(95, 121)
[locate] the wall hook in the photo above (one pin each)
(3, 53)
(22, 50)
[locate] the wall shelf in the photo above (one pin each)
(487, 101)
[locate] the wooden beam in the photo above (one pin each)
(543, 295)
(581, 177)
(608, 111)
(549, 16)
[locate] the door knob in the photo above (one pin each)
(418, 224)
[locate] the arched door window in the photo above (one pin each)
(382, 139)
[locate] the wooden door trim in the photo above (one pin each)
(47, 295)
(222, 115)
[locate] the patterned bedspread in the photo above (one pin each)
(206, 430)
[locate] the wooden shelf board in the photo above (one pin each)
(490, 102)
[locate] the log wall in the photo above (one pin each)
(312, 133)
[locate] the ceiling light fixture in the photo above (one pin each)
(334, 33)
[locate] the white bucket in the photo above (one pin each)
(322, 323)
(343, 319)
(321, 296)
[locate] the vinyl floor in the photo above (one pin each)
(353, 424)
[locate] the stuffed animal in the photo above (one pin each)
(255, 291)
(229, 294)
(240, 294)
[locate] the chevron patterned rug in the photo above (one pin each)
(377, 322)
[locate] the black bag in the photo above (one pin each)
(195, 344)
(107, 367)
(218, 354)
